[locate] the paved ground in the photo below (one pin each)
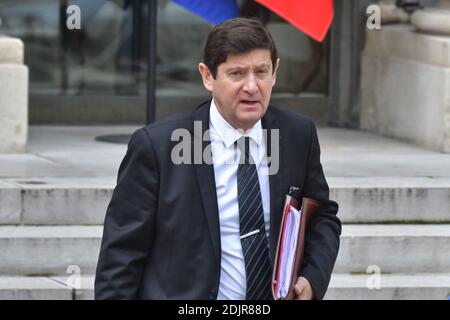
(62, 152)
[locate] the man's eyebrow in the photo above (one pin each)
(236, 68)
(262, 65)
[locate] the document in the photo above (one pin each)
(288, 252)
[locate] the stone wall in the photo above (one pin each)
(13, 96)
(405, 86)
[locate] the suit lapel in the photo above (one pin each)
(269, 122)
(206, 180)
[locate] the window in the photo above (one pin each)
(98, 74)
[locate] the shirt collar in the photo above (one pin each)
(227, 133)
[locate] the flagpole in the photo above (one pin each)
(151, 61)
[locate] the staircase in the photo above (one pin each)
(395, 240)
(396, 215)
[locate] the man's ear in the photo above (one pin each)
(274, 74)
(206, 76)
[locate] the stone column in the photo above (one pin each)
(13, 96)
(405, 81)
(434, 20)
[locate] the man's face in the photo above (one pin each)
(242, 86)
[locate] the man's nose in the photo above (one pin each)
(250, 85)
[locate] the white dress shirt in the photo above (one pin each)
(225, 156)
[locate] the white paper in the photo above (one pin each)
(288, 250)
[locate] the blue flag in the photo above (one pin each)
(214, 11)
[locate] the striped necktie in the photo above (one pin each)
(252, 230)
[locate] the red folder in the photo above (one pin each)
(307, 208)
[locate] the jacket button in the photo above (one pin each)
(212, 294)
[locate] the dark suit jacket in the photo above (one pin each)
(161, 237)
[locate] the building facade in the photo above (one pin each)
(96, 71)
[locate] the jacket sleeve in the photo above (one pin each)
(324, 229)
(129, 222)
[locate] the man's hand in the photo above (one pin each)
(303, 290)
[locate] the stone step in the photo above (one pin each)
(394, 248)
(56, 250)
(391, 200)
(430, 286)
(82, 287)
(32, 288)
(83, 201)
(49, 250)
(55, 201)
(46, 288)
(426, 286)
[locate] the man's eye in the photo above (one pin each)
(261, 72)
(236, 73)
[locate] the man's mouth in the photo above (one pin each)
(249, 102)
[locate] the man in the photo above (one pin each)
(182, 227)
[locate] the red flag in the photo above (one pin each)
(313, 17)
